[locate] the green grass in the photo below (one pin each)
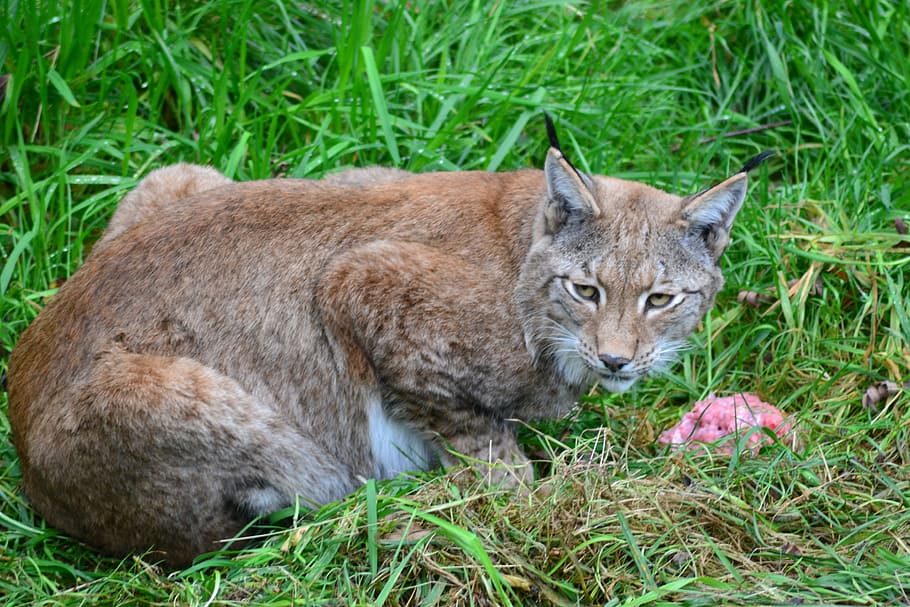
(101, 92)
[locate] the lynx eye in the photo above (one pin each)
(586, 291)
(583, 291)
(659, 300)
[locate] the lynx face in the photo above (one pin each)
(621, 274)
(620, 313)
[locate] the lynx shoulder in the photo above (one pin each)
(231, 347)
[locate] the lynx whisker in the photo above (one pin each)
(667, 354)
(551, 334)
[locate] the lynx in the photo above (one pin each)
(229, 348)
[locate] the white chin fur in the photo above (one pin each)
(574, 370)
(616, 385)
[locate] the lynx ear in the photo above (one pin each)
(571, 196)
(570, 192)
(710, 213)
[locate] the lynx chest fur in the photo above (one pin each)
(228, 347)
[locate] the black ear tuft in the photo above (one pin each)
(757, 160)
(551, 133)
(554, 144)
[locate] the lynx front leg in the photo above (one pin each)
(444, 344)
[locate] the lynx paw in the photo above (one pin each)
(500, 465)
(516, 475)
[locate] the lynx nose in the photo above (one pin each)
(614, 363)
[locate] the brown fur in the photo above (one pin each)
(226, 350)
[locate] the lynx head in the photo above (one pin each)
(619, 274)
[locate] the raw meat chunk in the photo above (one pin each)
(724, 420)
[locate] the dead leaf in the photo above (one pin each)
(876, 393)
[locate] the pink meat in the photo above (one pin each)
(715, 418)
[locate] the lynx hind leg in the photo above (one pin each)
(166, 453)
(367, 176)
(158, 191)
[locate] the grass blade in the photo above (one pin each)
(62, 87)
(379, 103)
